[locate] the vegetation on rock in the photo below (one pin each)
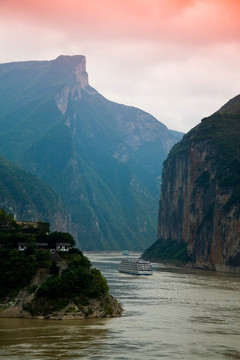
(78, 283)
(69, 277)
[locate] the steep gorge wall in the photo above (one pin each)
(200, 194)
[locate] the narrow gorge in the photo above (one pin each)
(199, 210)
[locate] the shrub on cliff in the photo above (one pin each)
(16, 271)
(77, 283)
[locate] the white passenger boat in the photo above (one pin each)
(135, 267)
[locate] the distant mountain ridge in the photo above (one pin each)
(103, 159)
(200, 194)
(29, 198)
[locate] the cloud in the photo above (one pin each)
(177, 59)
(174, 20)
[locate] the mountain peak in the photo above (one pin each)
(76, 64)
(231, 107)
(69, 60)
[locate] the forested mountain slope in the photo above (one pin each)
(103, 159)
(29, 198)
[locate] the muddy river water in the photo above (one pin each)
(174, 314)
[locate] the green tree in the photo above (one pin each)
(79, 260)
(16, 270)
(43, 258)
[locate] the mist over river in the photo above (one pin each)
(174, 314)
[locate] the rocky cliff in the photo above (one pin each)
(200, 193)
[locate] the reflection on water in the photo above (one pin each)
(174, 314)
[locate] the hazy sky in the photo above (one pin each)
(176, 59)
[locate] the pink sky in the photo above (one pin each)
(177, 59)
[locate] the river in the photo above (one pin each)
(174, 314)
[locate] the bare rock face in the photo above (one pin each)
(80, 81)
(200, 194)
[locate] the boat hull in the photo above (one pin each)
(135, 273)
